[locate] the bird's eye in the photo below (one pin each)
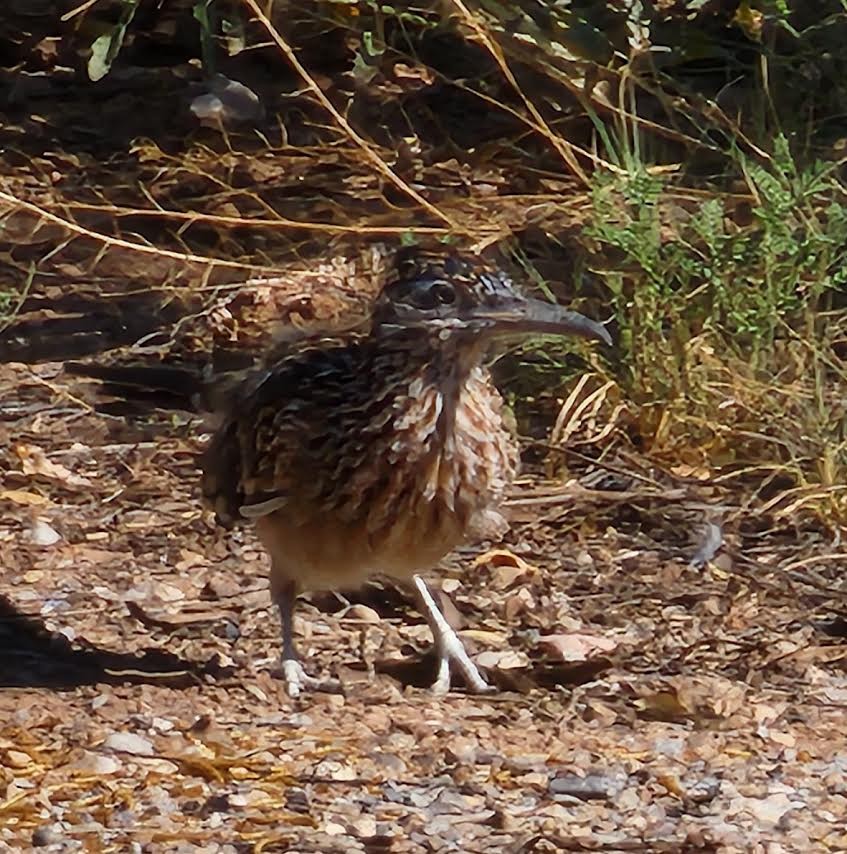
(443, 294)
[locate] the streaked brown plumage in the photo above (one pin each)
(377, 449)
(395, 445)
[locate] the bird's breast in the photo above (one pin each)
(442, 460)
(400, 481)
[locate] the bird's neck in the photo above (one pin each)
(447, 357)
(450, 367)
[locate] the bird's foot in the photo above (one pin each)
(452, 654)
(297, 680)
(449, 647)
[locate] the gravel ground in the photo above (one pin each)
(645, 702)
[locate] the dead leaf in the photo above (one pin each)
(516, 603)
(417, 72)
(695, 698)
(190, 560)
(784, 739)
(35, 462)
(487, 638)
(576, 646)
(505, 567)
(27, 499)
(662, 706)
(128, 742)
(670, 782)
(505, 660)
(173, 622)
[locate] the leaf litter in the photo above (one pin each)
(645, 702)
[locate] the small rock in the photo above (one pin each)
(96, 763)
(17, 759)
(704, 790)
(128, 742)
(592, 787)
(672, 746)
(768, 811)
(534, 779)
(628, 801)
(43, 534)
(228, 102)
(161, 766)
(364, 613)
(335, 701)
(335, 770)
(391, 762)
(364, 827)
(297, 800)
(584, 560)
(45, 835)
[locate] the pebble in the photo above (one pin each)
(128, 742)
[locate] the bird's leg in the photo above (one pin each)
(296, 679)
(447, 645)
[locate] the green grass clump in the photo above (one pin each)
(729, 311)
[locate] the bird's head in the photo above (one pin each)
(486, 305)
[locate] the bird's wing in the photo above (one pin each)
(280, 431)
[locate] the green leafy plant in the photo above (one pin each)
(721, 303)
(107, 46)
(677, 270)
(205, 14)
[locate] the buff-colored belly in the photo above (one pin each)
(326, 552)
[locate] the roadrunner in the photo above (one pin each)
(376, 450)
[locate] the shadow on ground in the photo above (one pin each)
(31, 656)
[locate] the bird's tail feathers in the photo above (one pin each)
(138, 388)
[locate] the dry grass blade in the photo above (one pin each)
(260, 223)
(561, 145)
(106, 240)
(580, 407)
(366, 148)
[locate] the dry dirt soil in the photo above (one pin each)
(645, 702)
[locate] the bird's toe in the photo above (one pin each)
(297, 680)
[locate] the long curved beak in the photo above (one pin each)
(537, 317)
